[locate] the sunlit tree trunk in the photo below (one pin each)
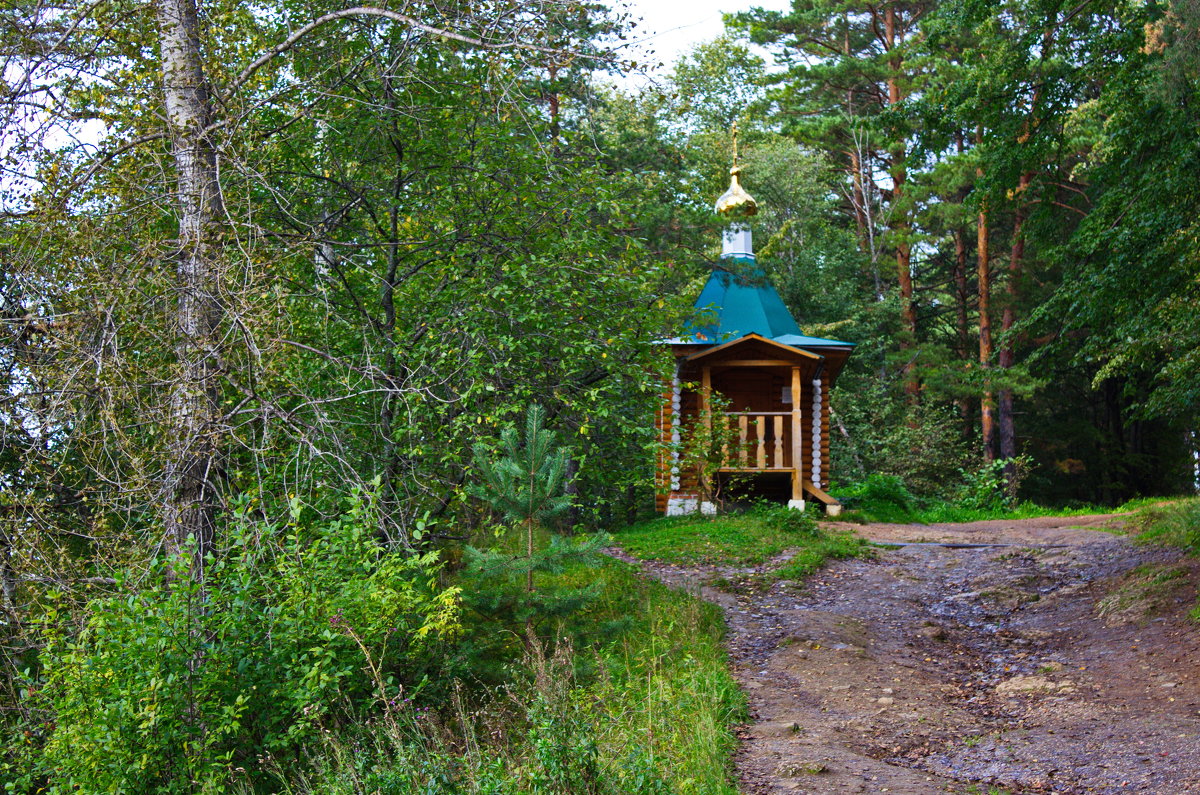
(987, 422)
(902, 227)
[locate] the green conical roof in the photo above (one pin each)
(739, 299)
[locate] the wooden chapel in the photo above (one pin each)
(744, 345)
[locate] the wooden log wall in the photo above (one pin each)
(662, 423)
(689, 411)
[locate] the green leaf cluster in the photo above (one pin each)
(170, 685)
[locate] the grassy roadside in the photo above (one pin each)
(948, 513)
(666, 688)
(1175, 523)
(649, 711)
(881, 501)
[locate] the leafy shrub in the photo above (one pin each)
(880, 431)
(168, 687)
(988, 488)
(882, 497)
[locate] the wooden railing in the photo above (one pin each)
(759, 438)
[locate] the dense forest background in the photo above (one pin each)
(269, 277)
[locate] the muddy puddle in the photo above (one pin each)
(1063, 663)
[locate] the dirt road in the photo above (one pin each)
(1062, 664)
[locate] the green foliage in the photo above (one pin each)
(649, 712)
(782, 519)
(707, 440)
(879, 432)
(993, 486)
(524, 482)
(167, 687)
(421, 240)
(718, 83)
(801, 241)
(879, 496)
(1132, 261)
(516, 593)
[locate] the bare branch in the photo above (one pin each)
(370, 11)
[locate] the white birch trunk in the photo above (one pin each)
(192, 475)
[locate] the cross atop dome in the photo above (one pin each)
(736, 202)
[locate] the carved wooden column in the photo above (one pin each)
(797, 442)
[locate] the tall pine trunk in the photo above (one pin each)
(987, 424)
(193, 472)
(1007, 358)
(901, 228)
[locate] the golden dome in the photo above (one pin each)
(736, 202)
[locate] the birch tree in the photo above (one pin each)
(94, 161)
(191, 481)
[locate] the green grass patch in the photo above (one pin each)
(1145, 591)
(814, 554)
(735, 539)
(747, 539)
(1174, 523)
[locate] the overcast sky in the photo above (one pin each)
(672, 27)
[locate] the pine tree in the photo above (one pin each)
(524, 480)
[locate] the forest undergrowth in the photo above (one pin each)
(330, 666)
(976, 496)
(649, 710)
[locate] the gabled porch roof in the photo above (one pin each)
(787, 354)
